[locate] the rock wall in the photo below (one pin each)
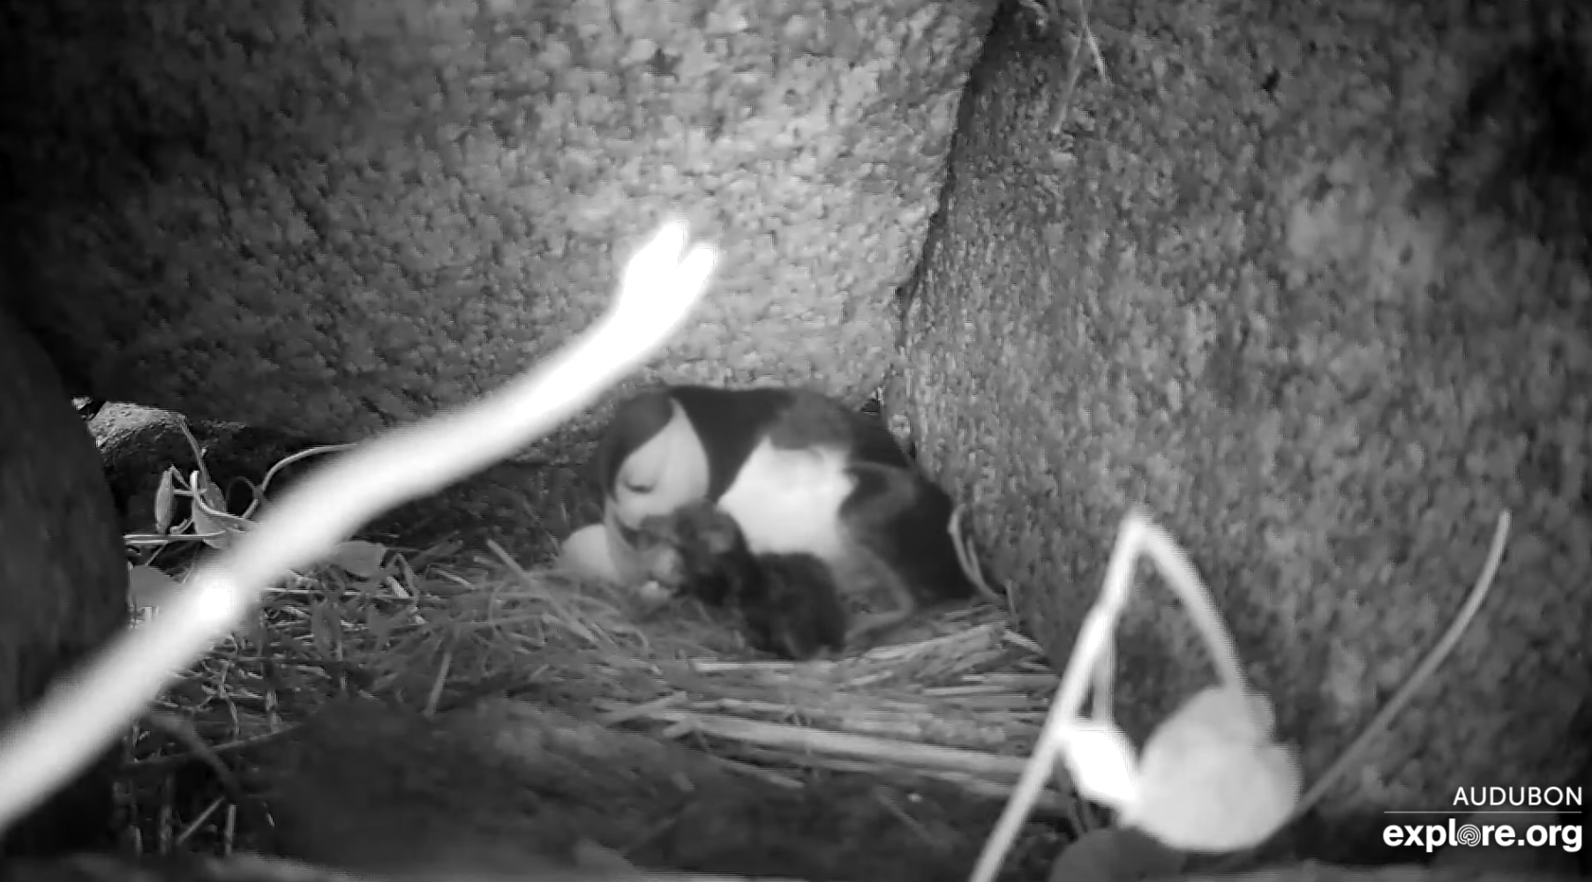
(1312, 285)
(63, 582)
(328, 217)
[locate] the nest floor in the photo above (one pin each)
(927, 732)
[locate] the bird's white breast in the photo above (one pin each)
(789, 500)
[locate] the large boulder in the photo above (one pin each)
(63, 578)
(333, 217)
(1318, 297)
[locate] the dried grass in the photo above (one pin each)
(960, 698)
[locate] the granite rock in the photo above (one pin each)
(329, 218)
(1320, 301)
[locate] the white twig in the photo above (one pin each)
(1093, 639)
(1093, 649)
(1092, 656)
(84, 713)
(1184, 580)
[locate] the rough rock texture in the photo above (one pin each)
(63, 578)
(328, 217)
(1313, 287)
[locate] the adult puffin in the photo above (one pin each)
(797, 470)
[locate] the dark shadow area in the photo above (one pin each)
(1520, 147)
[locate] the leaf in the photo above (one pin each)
(1115, 854)
(201, 484)
(1210, 778)
(358, 558)
(165, 496)
(1101, 762)
(204, 524)
(148, 587)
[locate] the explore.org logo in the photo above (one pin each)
(1496, 816)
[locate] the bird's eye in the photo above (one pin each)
(633, 487)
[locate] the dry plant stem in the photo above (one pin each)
(286, 461)
(438, 683)
(86, 711)
(1100, 699)
(1094, 44)
(968, 561)
(819, 742)
(566, 619)
(1086, 34)
(1418, 677)
(182, 731)
(198, 450)
(1094, 634)
(1104, 666)
(1063, 711)
(1074, 69)
(1075, 61)
(1180, 576)
(198, 822)
(1092, 649)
